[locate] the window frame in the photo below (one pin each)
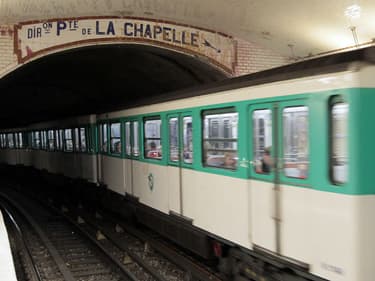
(112, 150)
(235, 140)
(68, 139)
(158, 139)
(335, 100)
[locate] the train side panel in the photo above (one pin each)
(218, 204)
(151, 185)
(113, 173)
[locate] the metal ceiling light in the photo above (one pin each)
(353, 12)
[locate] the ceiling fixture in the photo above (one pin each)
(353, 12)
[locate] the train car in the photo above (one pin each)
(65, 147)
(269, 172)
(276, 163)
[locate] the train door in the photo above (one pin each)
(279, 153)
(264, 131)
(103, 150)
(132, 152)
(180, 157)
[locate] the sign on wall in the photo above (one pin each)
(35, 38)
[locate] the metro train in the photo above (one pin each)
(269, 172)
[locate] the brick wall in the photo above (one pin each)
(8, 59)
(250, 57)
(253, 58)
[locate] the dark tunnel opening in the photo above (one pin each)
(97, 79)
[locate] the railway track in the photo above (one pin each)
(53, 250)
(137, 254)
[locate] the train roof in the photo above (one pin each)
(322, 65)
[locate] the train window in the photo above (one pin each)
(45, 139)
(90, 140)
(103, 137)
(57, 139)
(76, 140)
(188, 139)
(21, 142)
(152, 140)
(2, 141)
(116, 138)
(262, 140)
(82, 138)
(61, 136)
(220, 132)
(339, 142)
(296, 141)
(173, 140)
(16, 143)
(10, 140)
(36, 140)
(127, 138)
(51, 140)
(68, 138)
(135, 139)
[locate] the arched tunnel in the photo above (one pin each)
(97, 79)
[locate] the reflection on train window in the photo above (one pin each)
(152, 139)
(57, 138)
(296, 141)
(16, 142)
(90, 139)
(103, 137)
(82, 139)
(173, 140)
(68, 137)
(61, 136)
(188, 139)
(2, 145)
(44, 139)
(10, 140)
(128, 145)
(51, 140)
(35, 140)
(21, 141)
(339, 142)
(115, 138)
(135, 139)
(2, 141)
(76, 139)
(220, 132)
(262, 140)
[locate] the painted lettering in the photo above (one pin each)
(34, 32)
(183, 38)
(98, 32)
(73, 24)
(148, 32)
(86, 31)
(126, 30)
(61, 25)
(174, 39)
(138, 30)
(110, 28)
(166, 34)
(194, 39)
(47, 25)
(157, 30)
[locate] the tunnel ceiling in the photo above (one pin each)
(96, 79)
